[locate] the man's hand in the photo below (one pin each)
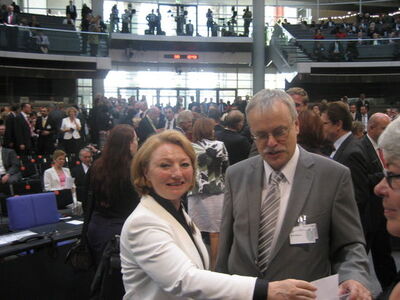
(5, 178)
(45, 132)
(357, 290)
(22, 147)
(291, 289)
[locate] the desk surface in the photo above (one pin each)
(52, 233)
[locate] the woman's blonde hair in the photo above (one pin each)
(57, 154)
(140, 163)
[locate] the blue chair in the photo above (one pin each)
(32, 210)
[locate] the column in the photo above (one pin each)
(97, 7)
(97, 87)
(258, 57)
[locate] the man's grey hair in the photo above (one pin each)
(184, 116)
(264, 100)
(389, 142)
(84, 150)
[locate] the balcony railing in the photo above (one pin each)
(53, 41)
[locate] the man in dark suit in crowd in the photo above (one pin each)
(377, 237)
(362, 102)
(237, 145)
(71, 10)
(170, 121)
(9, 135)
(23, 130)
(9, 168)
(11, 18)
(269, 199)
(337, 129)
(363, 116)
(46, 129)
(79, 173)
(152, 122)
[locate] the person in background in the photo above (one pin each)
(300, 98)
(45, 129)
(162, 253)
(71, 126)
(114, 198)
(357, 129)
(206, 198)
(185, 123)
(237, 145)
(389, 190)
(311, 132)
(79, 172)
(9, 168)
(71, 10)
(57, 177)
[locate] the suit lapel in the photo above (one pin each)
(342, 147)
(302, 182)
(254, 186)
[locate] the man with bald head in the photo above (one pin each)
(376, 235)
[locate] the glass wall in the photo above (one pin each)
(85, 92)
(146, 83)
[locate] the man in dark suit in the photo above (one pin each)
(150, 124)
(362, 102)
(9, 135)
(9, 168)
(377, 237)
(11, 18)
(46, 129)
(237, 145)
(23, 130)
(337, 129)
(79, 173)
(276, 193)
(170, 121)
(71, 10)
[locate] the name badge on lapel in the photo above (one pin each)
(303, 233)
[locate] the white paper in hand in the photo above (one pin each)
(327, 288)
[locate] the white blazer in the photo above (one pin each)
(159, 260)
(66, 124)
(52, 181)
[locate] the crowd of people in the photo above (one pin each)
(281, 151)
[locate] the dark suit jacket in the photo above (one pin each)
(22, 132)
(322, 191)
(147, 128)
(375, 174)
(11, 164)
(9, 134)
(237, 145)
(71, 12)
(352, 156)
(45, 141)
(359, 104)
(14, 19)
(79, 174)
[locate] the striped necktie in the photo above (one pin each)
(268, 219)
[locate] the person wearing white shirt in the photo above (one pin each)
(71, 126)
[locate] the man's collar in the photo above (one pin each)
(340, 140)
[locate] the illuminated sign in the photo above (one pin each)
(182, 56)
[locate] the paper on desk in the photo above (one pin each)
(75, 222)
(327, 287)
(9, 238)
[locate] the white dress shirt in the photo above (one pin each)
(285, 187)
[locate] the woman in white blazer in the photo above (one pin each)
(162, 253)
(71, 126)
(57, 177)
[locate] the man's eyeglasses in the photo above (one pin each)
(392, 179)
(280, 134)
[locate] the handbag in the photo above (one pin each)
(79, 256)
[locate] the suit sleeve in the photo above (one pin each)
(151, 244)
(347, 251)
(13, 162)
(226, 231)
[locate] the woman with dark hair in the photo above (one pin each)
(114, 197)
(206, 198)
(311, 134)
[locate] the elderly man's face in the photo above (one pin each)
(275, 134)
(86, 157)
(391, 197)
